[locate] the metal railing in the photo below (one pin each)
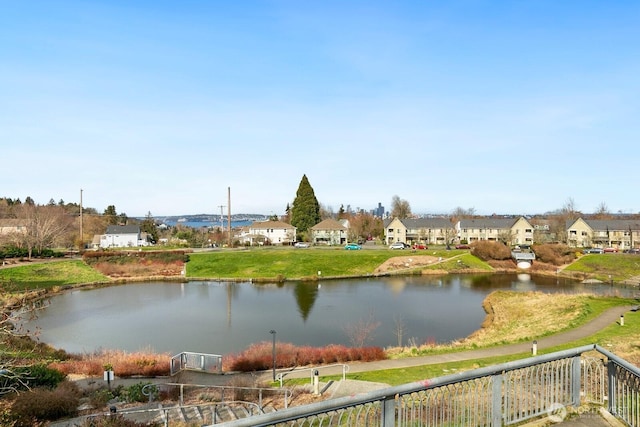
(504, 394)
(280, 376)
(203, 362)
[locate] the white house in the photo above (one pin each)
(122, 236)
(269, 232)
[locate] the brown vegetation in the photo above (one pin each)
(554, 254)
(124, 365)
(259, 357)
(489, 250)
(126, 264)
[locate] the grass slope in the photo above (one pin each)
(291, 263)
(606, 267)
(48, 275)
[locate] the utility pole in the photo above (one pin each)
(229, 212)
(81, 224)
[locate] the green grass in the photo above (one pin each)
(606, 267)
(292, 263)
(48, 275)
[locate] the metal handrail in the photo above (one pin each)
(391, 401)
(280, 376)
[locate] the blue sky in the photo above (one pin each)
(508, 107)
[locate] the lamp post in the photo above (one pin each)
(273, 353)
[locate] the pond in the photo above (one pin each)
(224, 317)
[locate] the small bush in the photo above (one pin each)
(135, 392)
(41, 376)
(489, 250)
(46, 405)
(556, 254)
(99, 398)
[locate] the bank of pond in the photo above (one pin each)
(227, 317)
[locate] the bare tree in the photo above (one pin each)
(602, 211)
(44, 226)
(400, 327)
(362, 331)
(400, 208)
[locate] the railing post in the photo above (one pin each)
(576, 380)
(388, 418)
(496, 401)
(611, 374)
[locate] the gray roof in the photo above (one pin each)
(416, 223)
(613, 224)
(123, 229)
(494, 223)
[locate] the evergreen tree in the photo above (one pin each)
(111, 215)
(305, 212)
(149, 226)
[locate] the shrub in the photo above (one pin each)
(99, 398)
(46, 405)
(556, 254)
(489, 250)
(258, 357)
(136, 392)
(42, 376)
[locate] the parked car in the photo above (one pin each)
(397, 245)
(420, 246)
(463, 247)
(610, 250)
(302, 245)
(593, 251)
(353, 247)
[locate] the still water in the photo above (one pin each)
(222, 318)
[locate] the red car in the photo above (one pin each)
(610, 250)
(463, 247)
(420, 246)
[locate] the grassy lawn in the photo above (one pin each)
(268, 263)
(606, 267)
(48, 275)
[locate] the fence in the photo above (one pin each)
(211, 363)
(504, 394)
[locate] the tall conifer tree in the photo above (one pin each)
(305, 212)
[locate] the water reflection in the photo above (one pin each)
(221, 318)
(305, 293)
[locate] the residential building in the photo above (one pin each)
(268, 233)
(512, 231)
(430, 231)
(123, 236)
(620, 234)
(12, 225)
(329, 232)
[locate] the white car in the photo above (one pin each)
(397, 245)
(301, 245)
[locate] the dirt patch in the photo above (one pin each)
(406, 263)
